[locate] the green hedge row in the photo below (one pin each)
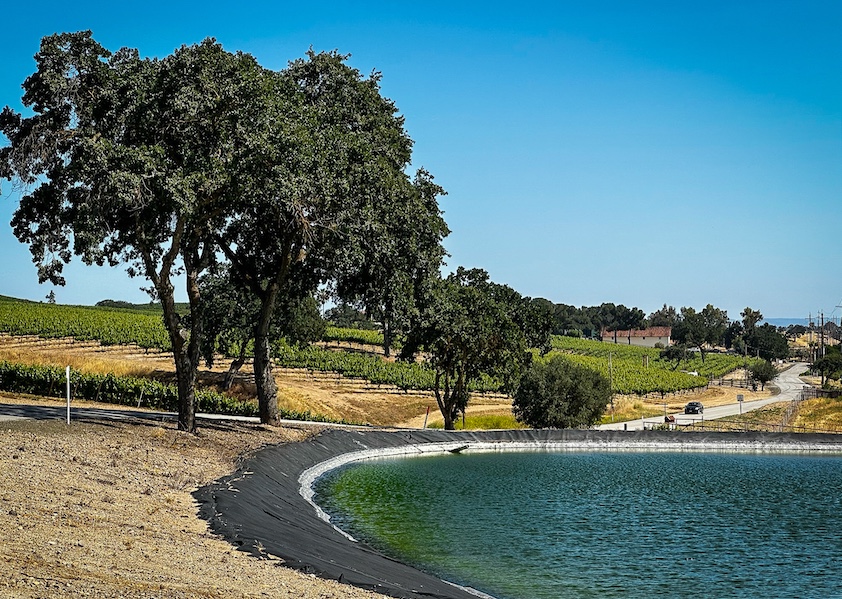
(50, 381)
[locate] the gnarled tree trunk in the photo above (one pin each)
(267, 390)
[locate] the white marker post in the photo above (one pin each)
(67, 374)
(740, 398)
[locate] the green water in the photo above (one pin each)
(537, 525)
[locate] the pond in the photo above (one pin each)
(534, 525)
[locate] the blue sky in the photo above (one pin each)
(629, 152)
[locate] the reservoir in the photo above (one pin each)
(535, 525)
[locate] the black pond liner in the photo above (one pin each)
(261, 510)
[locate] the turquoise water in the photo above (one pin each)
(537, 525)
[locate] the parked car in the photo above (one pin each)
(694, 407)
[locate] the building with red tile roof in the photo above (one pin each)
(643, 337)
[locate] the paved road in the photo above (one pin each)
(787, 381)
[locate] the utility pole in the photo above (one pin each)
(821, 336)
(821, 333)
(611, 384)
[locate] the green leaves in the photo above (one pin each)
(469, 330)
(560, 394)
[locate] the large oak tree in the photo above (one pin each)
(165, 165)
(129, 160)
(324, 198)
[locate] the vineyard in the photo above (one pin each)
(361, 336)
(403, 375)
(117, 326)
(633, 370)
(109, 326)
(639, 370)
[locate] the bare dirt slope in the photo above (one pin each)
(104, 510)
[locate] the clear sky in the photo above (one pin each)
(631, 152)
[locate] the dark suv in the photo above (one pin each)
(694, 407)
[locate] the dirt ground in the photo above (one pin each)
(103, 510)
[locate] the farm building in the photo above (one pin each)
(643, 337)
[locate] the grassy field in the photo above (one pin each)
(484, 422)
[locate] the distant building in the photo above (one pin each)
(643, 337)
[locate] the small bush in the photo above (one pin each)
(559, 394)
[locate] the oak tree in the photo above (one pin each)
(468, 331)
(558, 394)
(129, 160)
(322, 194)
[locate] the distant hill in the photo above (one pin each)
(122, 305)
(785, 322)
(149, 308)
(152, 307)
(6, 298)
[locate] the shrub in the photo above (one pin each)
(559, 394)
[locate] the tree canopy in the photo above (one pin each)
(830, 364)
(129, 160)
(165, 165)
(698, 329)
(766, 342)
(323, 197)
(762, 372)
(468, 329)
(664, 317)
(398, 258)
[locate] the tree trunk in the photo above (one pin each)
(267, 390)
(444, 398)
(387, 337)
(449, 420)
(186, 376)
(186, 370)
(236, 364)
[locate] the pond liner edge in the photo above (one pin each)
(263, 508)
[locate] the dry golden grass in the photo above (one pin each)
(822, 413)
(630, 408)
(85, 357)
(480, 406)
